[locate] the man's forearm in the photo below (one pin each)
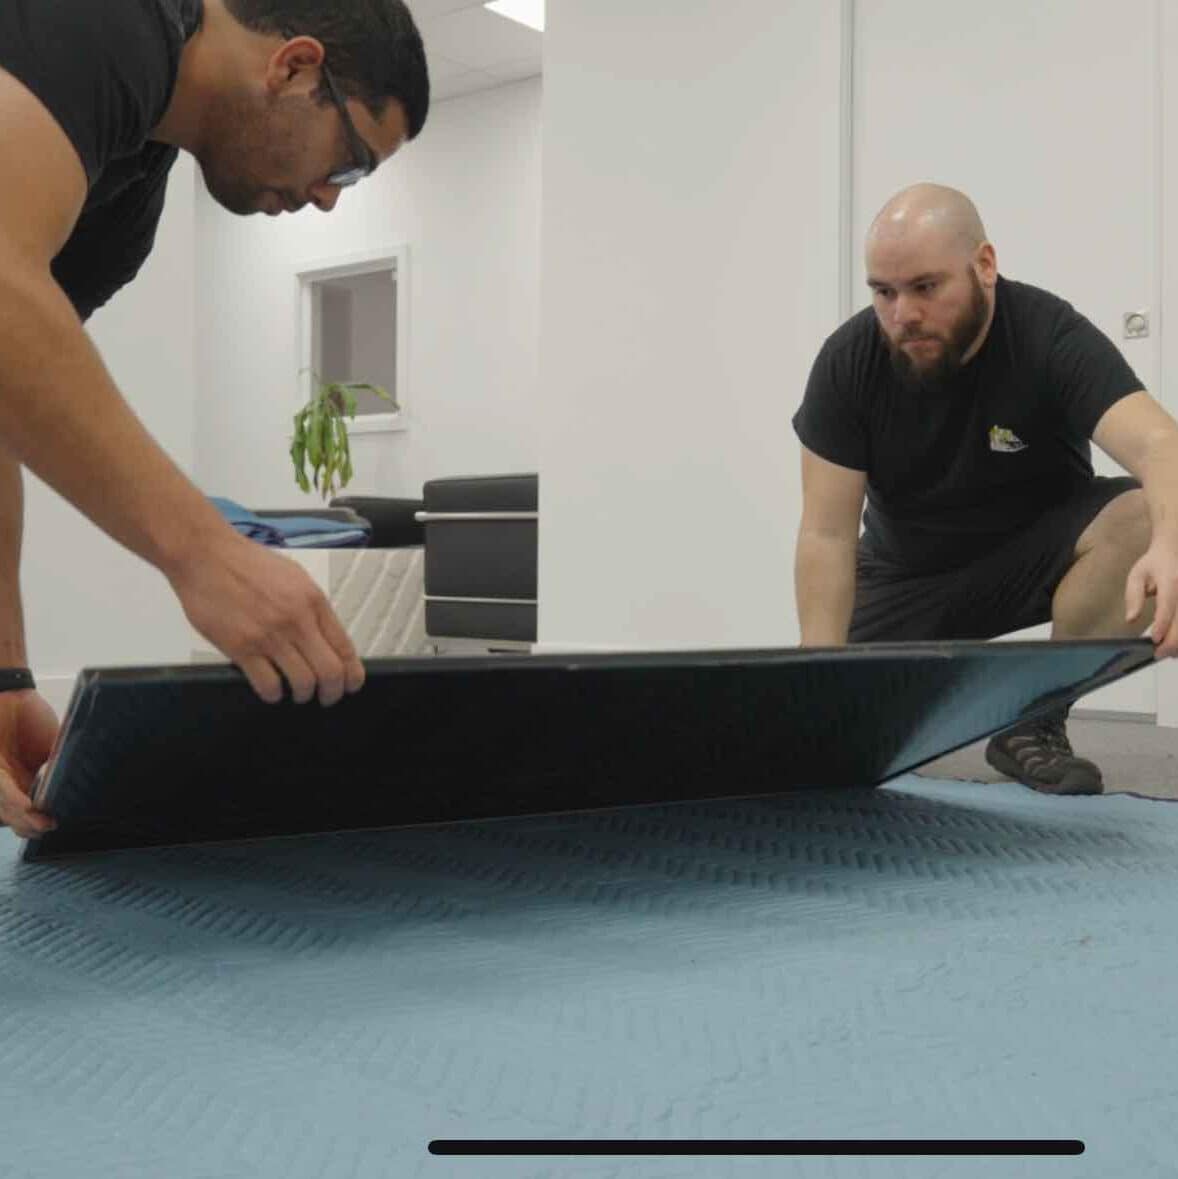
(1159, 480)
(62, 417)
(12, 623)
(824, 580)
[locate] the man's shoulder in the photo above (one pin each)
(854, 341)
(95, 24)
(1029, 304)
(105, 71)
(862, 328)
(847, 359)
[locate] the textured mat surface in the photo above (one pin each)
(928, 960)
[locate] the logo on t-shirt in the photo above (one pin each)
(1005, 441)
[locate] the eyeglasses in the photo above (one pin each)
(364, 164)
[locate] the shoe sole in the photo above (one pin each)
(1005, 764)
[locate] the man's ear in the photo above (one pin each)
(986, 264)
(293, 68)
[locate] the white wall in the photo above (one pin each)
(690, 257)
(465, 198)
(89, 602)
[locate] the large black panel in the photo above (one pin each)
(165, 755)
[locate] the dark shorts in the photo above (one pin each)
(1008, 589)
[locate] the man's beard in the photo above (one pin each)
(249, 139)
(233, 195)
(961, 337)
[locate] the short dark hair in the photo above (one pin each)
(373, 47)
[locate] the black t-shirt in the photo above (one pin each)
(105, 70)
(952, 473)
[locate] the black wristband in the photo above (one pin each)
(16, 679)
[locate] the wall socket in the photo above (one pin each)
(1136, 325)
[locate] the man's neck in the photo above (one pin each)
(202, 58)
(976, 346)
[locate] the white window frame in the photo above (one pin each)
(395, 259)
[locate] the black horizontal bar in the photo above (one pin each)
(757, 1146)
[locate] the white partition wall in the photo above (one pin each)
(690, 256)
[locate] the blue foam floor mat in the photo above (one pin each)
(929, 960)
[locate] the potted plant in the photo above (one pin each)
(321, 435)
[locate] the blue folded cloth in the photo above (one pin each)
(305, 532)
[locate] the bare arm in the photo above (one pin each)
(60, 413)
(12, 624)
(1140, 435)
(28, 726)
(62, 416)
(824, 568)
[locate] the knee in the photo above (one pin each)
(1123, 525)
(1133, 528)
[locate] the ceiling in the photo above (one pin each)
(471, 49)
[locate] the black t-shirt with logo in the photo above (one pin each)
(952, 472)
(105, 70)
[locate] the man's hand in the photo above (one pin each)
(1156, 575)
(28, 728)
(266, 614)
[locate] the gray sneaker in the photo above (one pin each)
(1039, 755)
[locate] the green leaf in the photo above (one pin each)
(321, 434)
(345, 453)
(334, 399)
(314, 448)
(327, 449)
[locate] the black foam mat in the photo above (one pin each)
(186, 754)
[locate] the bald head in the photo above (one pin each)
(929, 214)
(933, 277)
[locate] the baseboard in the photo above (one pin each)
(1114, 714)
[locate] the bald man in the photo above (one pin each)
(962, 406)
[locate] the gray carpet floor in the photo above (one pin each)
(1135, 757)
